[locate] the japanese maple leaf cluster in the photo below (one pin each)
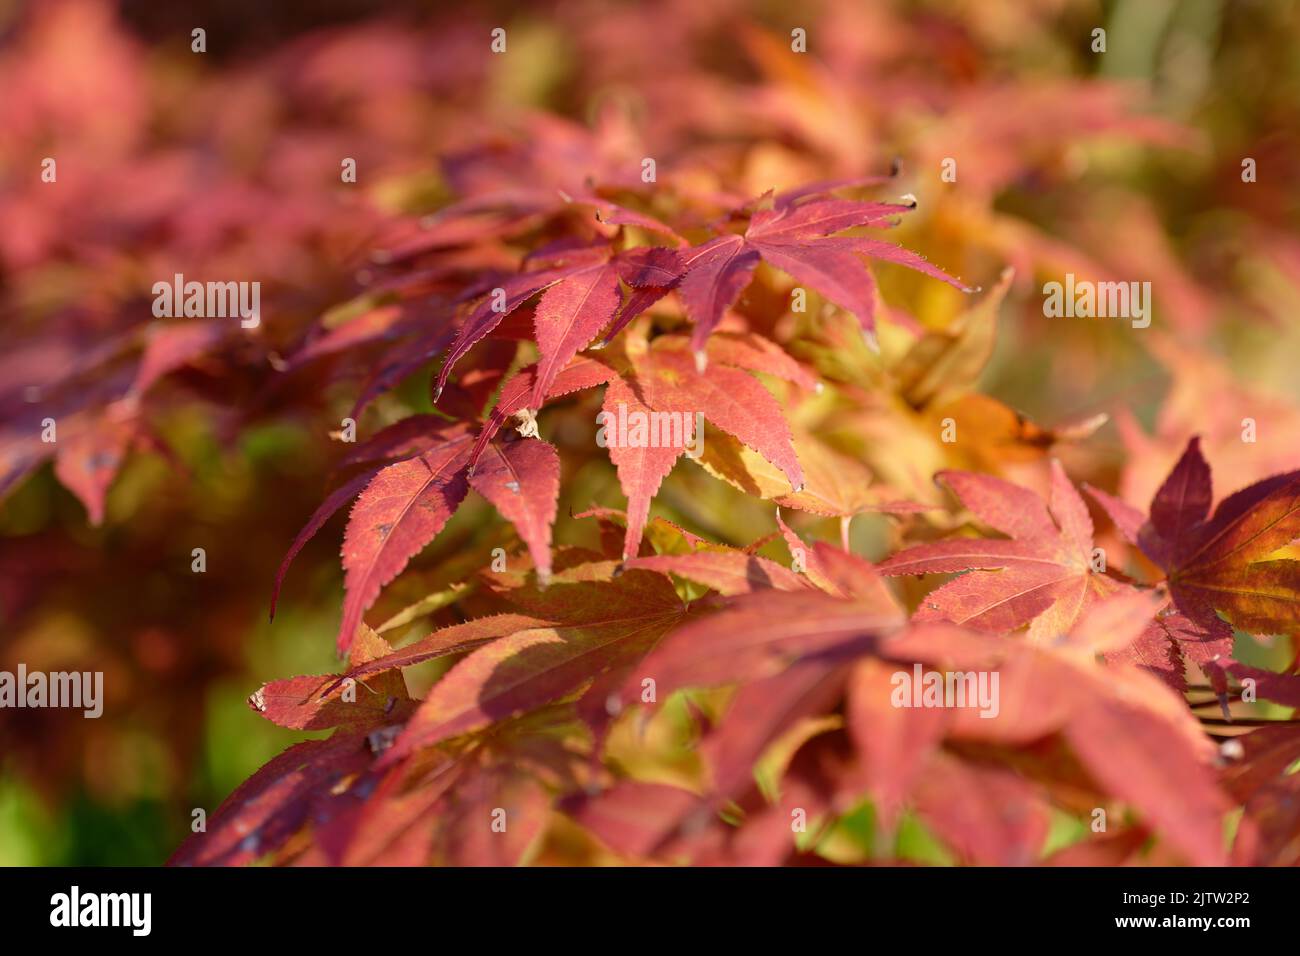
(780, 673)
(538, 666)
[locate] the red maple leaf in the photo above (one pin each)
(1042, 574)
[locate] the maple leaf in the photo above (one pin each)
(1213, 563)
(648, 821)
(934, 418)
(272, 805)
(309, 780)
(400, 511)
(1040, 575)
(406, 504)
(401, 507)
(522, 479)
(667, 379)
(1136, 739)
(1001, 820)
(641, 468)
(795, 236)
(598, 626)
(1171, 639)
(635, 818)
(372, 791)
(795, 653)
(1223, 562)
(663, 378)
(895, 742)
(580, 295)
(1257, 775)
(320, 701)
(495, 306)
(403, 439)
(651, 273)
(569, 315)
(767, 630)
(752, 641)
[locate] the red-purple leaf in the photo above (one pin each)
(641, 468)
(399, 512)
(1183, 501)
(569, 315)
(716, 273)
(487, 315)
(612, 622)
(839, 275)
(732, 400)
(650, 266)
(522, 479)
(1042, 577)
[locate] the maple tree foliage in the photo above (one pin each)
(559, 648)
(564, 645)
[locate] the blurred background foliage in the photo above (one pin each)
(175, 162)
